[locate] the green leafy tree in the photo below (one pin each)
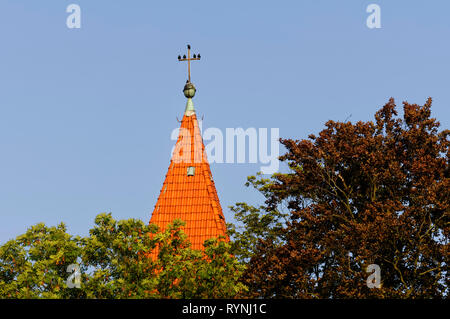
(254, 225)
(115, 256)
(34, 264)
(187, 273)
(115, 262)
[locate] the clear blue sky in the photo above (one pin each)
(86, 115)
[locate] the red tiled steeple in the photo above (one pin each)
(188, 192)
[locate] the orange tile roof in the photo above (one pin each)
(190, 198)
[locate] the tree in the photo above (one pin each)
(34, 264)
(359, 194)
(254, 224)
(114, 262)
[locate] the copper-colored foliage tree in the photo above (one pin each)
(361, 194)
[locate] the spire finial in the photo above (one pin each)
(189, 59)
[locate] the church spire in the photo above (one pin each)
(188, 191)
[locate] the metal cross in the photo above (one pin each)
(189, 59)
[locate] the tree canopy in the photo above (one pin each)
(113, 262)
(355, 195)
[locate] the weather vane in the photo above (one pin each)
(189, 59)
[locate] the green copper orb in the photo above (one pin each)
(189, 90)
